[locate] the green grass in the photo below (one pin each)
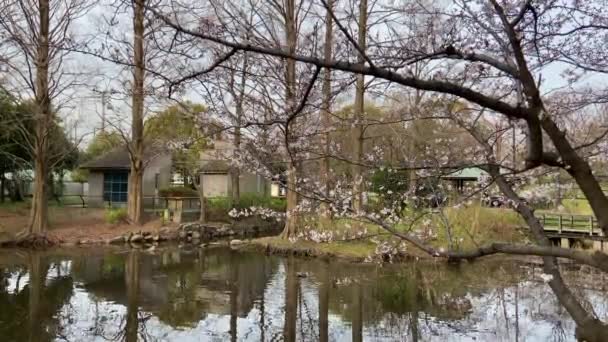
(115, 215)
(350, 250)
(470, 227)
(577, 207)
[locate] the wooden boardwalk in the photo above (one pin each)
(571, 226)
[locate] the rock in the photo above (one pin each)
(196, 235)
(84, 242)
(189, 238)
(136, 238)
(118, 239)
(165, 230)
(182, 234)
(302, 274)
(196, 241)
(203, 245)
(236, 242)
(149, 237)
(156, 238)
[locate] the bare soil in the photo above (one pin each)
(73, 225)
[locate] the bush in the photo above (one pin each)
(116, 215)
(220, 206)
(178, 191)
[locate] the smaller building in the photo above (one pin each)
(109, 176)
(463, 176)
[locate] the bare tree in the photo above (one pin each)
(35, 34)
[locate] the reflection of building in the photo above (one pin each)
(181, 288)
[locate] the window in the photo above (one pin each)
(115, 186)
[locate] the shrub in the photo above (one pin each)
(115, 215)
(178, 191)
(220, 206)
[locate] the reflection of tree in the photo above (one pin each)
(132, 283)
(291, 300)
(323, 303)
(31, 312)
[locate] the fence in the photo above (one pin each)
(560, 223)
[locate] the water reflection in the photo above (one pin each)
(219, 294)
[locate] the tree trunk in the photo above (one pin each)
(202, 217)
(358, 115)
(39, 212)
(580, 170)
(235, 171)
(290, 98)
(43, 117)
(291, 219)
(326, 113)
(134, 200)
(135, 205)
(2, 179)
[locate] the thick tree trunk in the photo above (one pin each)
(2, 186)
(580, 170)
(290, 99)
(134, 198)
(291, 219)
(43, 118)
(202, 217)
(39, 211)
(358, 115)
(326, 113)
(235, 171)
(135, 205)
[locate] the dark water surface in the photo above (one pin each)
(222, 295)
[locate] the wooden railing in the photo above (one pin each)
(569, 224)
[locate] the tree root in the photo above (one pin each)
(31, 240)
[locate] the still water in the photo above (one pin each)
(218, 294)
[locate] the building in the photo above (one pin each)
(109, 175)
(463, 176)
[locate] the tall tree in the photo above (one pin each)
(358, 112)
(36, 33)
(326, 111)
(289, 17)
(136, 145)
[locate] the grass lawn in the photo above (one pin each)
(469, 227)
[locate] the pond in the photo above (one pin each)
(218, 294)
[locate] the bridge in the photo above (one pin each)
(567, 230)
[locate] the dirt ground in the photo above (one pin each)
(71, 225)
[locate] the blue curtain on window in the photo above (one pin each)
(115, 186)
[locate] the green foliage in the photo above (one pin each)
(79, 175)
(102, 143)
(178, 191)
(116, 215)
(390, 185)
(476, 225)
